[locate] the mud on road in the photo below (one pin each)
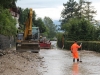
(49, 62)
(15, 63)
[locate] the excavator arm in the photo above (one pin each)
(28, 26)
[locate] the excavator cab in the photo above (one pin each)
(35, 33)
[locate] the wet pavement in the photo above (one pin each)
(59, 62)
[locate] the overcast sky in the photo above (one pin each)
(52, 8)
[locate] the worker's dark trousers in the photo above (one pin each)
(77, 60)
(74, 60)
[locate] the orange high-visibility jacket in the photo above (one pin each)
(74, 49)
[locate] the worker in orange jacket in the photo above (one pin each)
(74, 51)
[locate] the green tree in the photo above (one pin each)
(39, 23)
(8, 3)
(23, 15)
(50, 26)
(35, 22)
(78, 20)
(7, 23)
(86, 10)
(70, 11)
(79, 29)
(89, 11)
(81, 8)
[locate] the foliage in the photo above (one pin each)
(23, 16)
(46, 26)
(39, 23)
(89, 11)
(70, 11)
(59, 39)
(77, 21)
(35, 22)
(79, 30)
(86, 45)
(7, 23)
(8, 3)
(97, 33)
(50, 26)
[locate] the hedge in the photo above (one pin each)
(86, 45)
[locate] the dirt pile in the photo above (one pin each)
(15, 63)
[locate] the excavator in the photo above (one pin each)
(29, 39)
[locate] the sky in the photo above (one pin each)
(52, 8)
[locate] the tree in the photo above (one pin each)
(23, 15)
(81, 8)
(7, 23)
(35, 22)
(89, 11)
(79, 29)
(8, 3)
(86, 10)
(50, 26)
(77, 20)
(69, 11)
(39, 23)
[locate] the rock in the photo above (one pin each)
(1, 54)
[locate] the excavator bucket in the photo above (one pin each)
(24, 46)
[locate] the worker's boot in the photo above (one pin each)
(73, 59)
(77, 60)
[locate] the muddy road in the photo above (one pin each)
(49, 62)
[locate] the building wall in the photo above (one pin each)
(6, 42)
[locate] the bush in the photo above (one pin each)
(7, 23)
(86, 45)
(59, 39)
(79, 29)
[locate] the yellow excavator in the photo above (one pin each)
(29, 40)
